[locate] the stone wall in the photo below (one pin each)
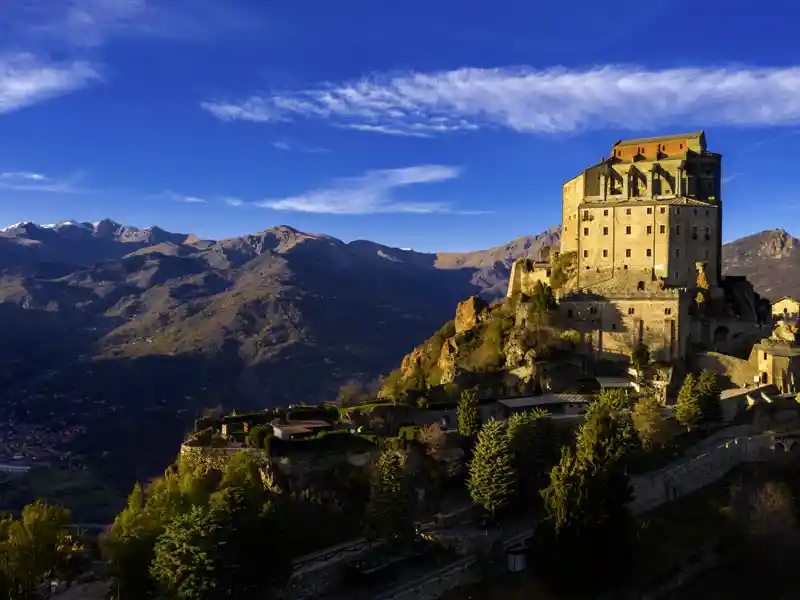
(214, 458)
(436, 584)
(738, 371)
(679, 479)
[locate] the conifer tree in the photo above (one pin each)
(492, 477)
(649, 422)
(687, 408)
(709, 398)
(531, 437)
(388, 513)
(469, 420)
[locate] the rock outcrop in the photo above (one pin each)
(469, 313)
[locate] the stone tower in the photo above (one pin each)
(641, 219)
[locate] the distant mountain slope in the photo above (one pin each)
(770, 260)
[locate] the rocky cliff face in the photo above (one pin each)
(770, 260)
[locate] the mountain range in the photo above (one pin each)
(128, 333)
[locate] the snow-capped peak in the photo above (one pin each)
(18, 225)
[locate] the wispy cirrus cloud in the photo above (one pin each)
(27, 80)
(230, 201)
(298, 147)
(177, 197)
(91, 23)
(534, 101)
(372, 192)
(29, 181)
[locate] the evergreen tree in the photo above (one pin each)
(709, 398)
(469, 418)
(649, 422)
(588, 520)
(542, 300)
(531, 437)
(389, 511)
(687, 409)
(492, 477)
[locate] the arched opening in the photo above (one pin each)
(779, 448)
(765, 378)
(721, 334)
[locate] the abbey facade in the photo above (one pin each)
(640, 257)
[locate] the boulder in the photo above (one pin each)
(469, 313)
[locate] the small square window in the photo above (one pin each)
(649, 210)
(663, 210)
(627, 211)
(649, 252)
(628, 230)
(628, 253)
(605, 230)
(585, 231)
(613, 327)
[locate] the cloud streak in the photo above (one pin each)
(370, 193)
(534, 101)
(28, 181)
(25, 80)
(296, 147)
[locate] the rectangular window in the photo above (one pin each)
(628, 230)
(649, 210)
(585, 231)
(678, 211)
(694, 232)
(663, 210)
(628, 253)
(667, 311)
(585, 254)
(605, 253)
(649, 252)
(605, 230)
(677, 229)
(586, 214)
(627, 211)
(677, 252)
(662, 229)
(649, 229)
(605, 213)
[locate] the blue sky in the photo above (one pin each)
(436, 125)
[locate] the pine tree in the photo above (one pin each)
(649, 422)
(532, 445)
(687, 409)
(388, 513)
(492, 477)
(709, 398)
(469, 420)
(640, 357)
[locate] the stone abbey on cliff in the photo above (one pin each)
(640, 257)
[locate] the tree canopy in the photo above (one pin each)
(469, 418)
(492, 476)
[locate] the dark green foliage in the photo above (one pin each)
(640, 357)
(688, 411)
(542, 300)
(257, 436)
(469, 419)
(709, 398)
(225, 549)
(649, 423)
(492, 476)
(533, 448)
(34, 549)
(322, 412)
(388, 514)
(588, 522)
(408, 432)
